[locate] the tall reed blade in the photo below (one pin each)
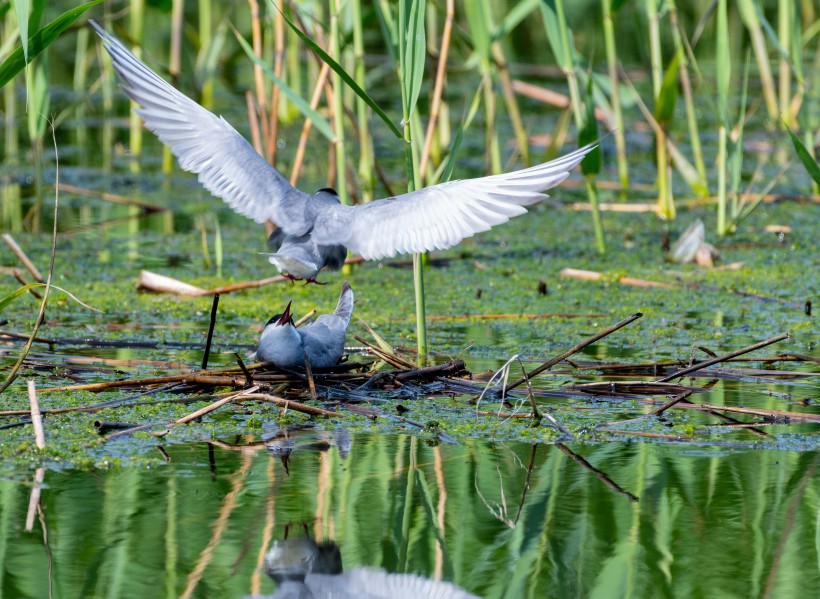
(702, 187)
(137, 26)
(411, 51)
(723, 75)
(749, 14)
(615, 93)
(16, 61)
(366, 171)
(559, 36)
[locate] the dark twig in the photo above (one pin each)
(104, 427)
(573, 350)
(245, 371)
(602, 476)
(530, 466)
(211, 324)
(723, 358)
(672, 402)
(309, 373)
(24, 259)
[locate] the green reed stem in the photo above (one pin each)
(205, 38)
(338, 105)
(575, 98)
(748, 12)
(722, 225)
(691, 111)
(615, 93)
(411, 71)
(366, 175)
(784, 33)
(137, 27)
(666, 206)
(12, 142)
(80, 87)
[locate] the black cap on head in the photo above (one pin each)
(283, 318)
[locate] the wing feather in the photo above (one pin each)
(205, 144)
(440, 216)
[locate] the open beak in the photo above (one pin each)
(286, 316)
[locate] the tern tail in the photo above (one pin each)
(344, 309)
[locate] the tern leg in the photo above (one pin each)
(313, 280)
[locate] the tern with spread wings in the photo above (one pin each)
(315, 230)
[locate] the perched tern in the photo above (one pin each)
(316, 230)
(323, 340)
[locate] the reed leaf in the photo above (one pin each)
(22, 8)
(349, 81)
(414, 54)
(723, 62)
(668, 97)
(591, 164)
(809, 163)
(553, 25)
(514, 17)
(736, 147)
(782, 52)
(41, 40)
(4, 302)
(39, 98)
(318, 121)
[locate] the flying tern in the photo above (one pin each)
(315, 230)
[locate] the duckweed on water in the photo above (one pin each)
(505, 264)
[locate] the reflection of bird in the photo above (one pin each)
(305, 569)
(323, 340)
(316, 229)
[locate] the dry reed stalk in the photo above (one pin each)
(258, 75)
(591, 275)
(392, 359)
(24, 259)
(150, 281)
(460, 317)
(110, 197)
(298, 160)
(34, 499)
(278, 61)
(36, 417)
(219, 527)
(309, 374)
(304, 318)
(157, 283)
(213, 406)
(438, 88)
(288, 404)
(267, 529)
(572, 350)
(253, 123)
(553, 98)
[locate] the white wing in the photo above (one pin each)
(208, 145)
(440, 216)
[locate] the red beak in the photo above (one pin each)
(286, 317)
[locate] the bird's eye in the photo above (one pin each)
(274, 319)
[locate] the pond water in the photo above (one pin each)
(498, 519)
(624, 504)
